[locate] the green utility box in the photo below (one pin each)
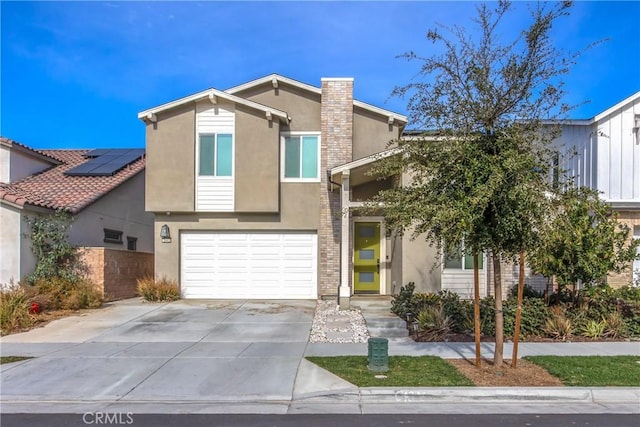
(378, 354)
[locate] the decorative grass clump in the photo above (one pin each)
(14, 310)
(161, 289)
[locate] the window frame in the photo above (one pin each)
(283, 156)
(132, 241)
(463, 256)
(116, 240)
(215, 155)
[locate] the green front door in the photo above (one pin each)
(366, 259)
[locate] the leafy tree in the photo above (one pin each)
(55, 256)
(584, 240)
(481, 174)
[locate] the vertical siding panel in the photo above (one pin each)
(604, 161)
(615, 152)
(627, 148)
(215, 193)
(635, 141)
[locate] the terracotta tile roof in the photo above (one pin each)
(10, 142)
(53, 189)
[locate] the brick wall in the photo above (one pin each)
(336, 126)
(631, 218)
(115, 272)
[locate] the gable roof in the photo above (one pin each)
(212, 93)
(271, 78)
(39, 154)
(586, 122)
(52, 189)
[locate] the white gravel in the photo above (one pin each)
(338, 326)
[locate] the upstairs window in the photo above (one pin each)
(301, 157)
(216, 155)
(112, 236)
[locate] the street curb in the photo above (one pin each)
(484, 394)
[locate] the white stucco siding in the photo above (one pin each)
(9, 244)
(122, 210)
(619, 155)
(5, 165)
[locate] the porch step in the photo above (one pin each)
(388, 332)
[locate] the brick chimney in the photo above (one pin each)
(336, 142)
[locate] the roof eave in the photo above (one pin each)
(213, 94)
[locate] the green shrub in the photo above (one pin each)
(459, 311)
(627, 293)
(402, 303)
(534, 313)
(162, 289)
(527, 292)
(14, 310)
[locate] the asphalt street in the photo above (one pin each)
(320, 420)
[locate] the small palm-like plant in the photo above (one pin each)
(614, 325)
(594, 329)
(557, 326)
(434, 323)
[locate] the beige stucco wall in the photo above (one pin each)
(170, 154)
(257, 171)
(302, 106)
(121, 209)
(366, 191)
(371, 133)
(299, 212)
(420, 264)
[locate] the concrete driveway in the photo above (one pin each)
(189, 351)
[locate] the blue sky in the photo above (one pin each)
(75, 74)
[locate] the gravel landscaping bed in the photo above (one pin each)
(338, 326)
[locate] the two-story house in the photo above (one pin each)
(102, 189)
(251, 189)
(603, 153)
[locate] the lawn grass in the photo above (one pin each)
(11, 359)
(404, 371)
(592, 371)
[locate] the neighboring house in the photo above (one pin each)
(604, 154)
(103, 189)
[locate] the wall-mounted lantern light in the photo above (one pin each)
(165, 234)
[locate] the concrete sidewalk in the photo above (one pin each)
(248, 357)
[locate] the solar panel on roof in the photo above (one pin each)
(106, 162)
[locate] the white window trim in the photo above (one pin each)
(283, 135)
(215, 155)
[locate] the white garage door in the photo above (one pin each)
(249, 265)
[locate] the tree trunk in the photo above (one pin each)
(497, 285)
(516, 333)
(476, 307)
